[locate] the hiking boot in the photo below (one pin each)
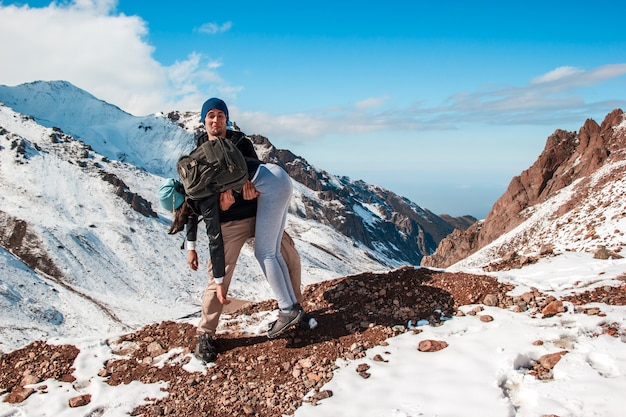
(205, 348)
(307, 322)
(284, 322)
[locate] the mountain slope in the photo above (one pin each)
(78, 228)
(572, 198)
(151, 143)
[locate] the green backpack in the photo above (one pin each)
(213, 167)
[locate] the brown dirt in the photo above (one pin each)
(257, 376)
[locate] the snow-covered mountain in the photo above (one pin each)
(151, 143)
(82, 225)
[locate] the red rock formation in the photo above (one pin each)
(567, 157)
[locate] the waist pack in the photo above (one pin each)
(213, 167)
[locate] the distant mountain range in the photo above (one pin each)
(383, 221)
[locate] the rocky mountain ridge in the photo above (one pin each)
(583, 163)
(398, 227)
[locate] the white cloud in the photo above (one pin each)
(213, 28)
(191, 72)
(105, 53)
(195, 79)
(370, 103)
(97, 6)
(318, 123)
(551, 98)
(564, 78)
(557, 74)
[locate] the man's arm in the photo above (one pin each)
(190, 243)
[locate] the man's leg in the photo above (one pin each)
(234, 235)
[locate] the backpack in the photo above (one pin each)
(213, 167)
(171, 194)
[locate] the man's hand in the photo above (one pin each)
(249, 192)
(227, 199)
(192, 259)
(221, 294)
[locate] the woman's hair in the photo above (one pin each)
(181, 217)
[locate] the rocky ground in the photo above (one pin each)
(257, 376)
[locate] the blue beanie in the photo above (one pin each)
(171, 194)
(213, 103)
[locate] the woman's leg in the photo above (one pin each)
(275, 190)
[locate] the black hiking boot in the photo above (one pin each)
(205, 348)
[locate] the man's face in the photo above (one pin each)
(215, 123)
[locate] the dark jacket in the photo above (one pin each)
(208, 208)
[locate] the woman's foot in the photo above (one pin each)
(285, 321)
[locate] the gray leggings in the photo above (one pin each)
(275, 189)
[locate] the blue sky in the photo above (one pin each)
(441, 102)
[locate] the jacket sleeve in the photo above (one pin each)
(243, 143)
(191, 228)
(210, 214)
(247, 148)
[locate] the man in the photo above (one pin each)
(237, 218)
